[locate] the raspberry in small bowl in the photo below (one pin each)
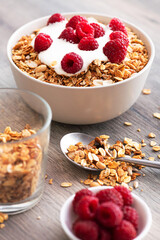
(95, 214)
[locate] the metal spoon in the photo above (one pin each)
(73, 138)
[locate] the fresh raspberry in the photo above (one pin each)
(79, 195)
(126, 195)
(87, 207)
(69, 35)
(109, 214)
(42, 42)
(104, 234)
(98, 30)
(118, 34)
(125, 231)
(131, 215)
(88, 44)
(86, 229)
(57, 17)
(117, 25)
(84, 29)
(110, 194)
(72, 63)
(115, 50)
(75, 20)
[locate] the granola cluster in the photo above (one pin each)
(20, 164)
(98, 73)
(100, 154)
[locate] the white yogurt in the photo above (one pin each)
(59, 47)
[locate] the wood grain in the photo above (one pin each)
(145, 14)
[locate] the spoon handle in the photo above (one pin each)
(140, 162)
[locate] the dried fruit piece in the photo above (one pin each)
(146, 91)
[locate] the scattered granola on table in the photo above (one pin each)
(100, 154)
(20, 164)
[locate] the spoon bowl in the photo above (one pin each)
(73, 138)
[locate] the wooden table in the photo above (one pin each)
(145, 14)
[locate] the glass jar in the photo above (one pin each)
(24, 137)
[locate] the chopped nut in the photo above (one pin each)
(138, 130)
(156, 148)
(144, 144)
(38, 218)
(159, 156)
(151, 135)
(50, 181)
(135, 184)
(146, 91)
(156, 115)
(94, 184)
(151, 158)
(152, 143)
(127, 123)
(100, 165)
(66, 184)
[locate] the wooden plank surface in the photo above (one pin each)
(145, 14)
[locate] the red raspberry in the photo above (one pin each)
(84, 29)
(109, 214)
(115, 50)
(86, 230)
(87, 207)
(72, 63)
(110, 194)
(57, 17)
(42, 42)
(98, 30)
(117, 25)
(104, 234)
(69, 35)
(126, 194)
(125, 231)
(79, 195)
(75, 20)
(131, 215)
(88, 44)
(118, 34)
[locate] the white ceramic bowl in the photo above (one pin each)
(67, 216)
(76, 105)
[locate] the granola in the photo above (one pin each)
(98, 72)
(100, 154)
(20, 164)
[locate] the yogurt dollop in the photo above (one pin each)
(59, 48)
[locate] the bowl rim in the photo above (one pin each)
(46, 122)
(136, 197)
(9, 53)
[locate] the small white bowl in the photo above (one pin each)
(67, 215)
(79, 105)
